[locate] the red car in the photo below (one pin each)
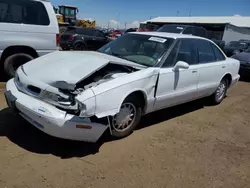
(115, 33)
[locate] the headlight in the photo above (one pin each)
(57, 100)
(82, 109)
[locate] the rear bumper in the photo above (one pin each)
(235, 79)
(51, 120)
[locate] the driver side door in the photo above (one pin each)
(176, 87)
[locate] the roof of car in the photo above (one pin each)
(169, 35)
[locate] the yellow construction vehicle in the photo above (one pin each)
(66, 16)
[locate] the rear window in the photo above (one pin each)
(23, 12)
(171, 29)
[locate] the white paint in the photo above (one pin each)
(41, 38)
(176, 85)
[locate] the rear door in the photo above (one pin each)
(212, 66)
(88, 37)
(99, 39)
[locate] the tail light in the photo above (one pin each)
(71, 37)
(57, 39)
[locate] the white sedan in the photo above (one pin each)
(78, 95)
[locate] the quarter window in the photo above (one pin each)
(218, 54)
(205, 51)
(26, 12)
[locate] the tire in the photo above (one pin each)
(79, 47)
(121, 131)
(220, 92)
(12, 62)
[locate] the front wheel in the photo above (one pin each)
(129, 116)
(220, 92)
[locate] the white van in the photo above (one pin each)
(28, 29)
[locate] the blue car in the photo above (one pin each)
(244, 58)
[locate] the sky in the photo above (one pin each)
(131, 12)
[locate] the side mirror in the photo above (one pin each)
(180, 65)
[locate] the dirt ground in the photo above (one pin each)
(192, 145)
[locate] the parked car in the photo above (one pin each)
(115, 34)
(234, 47)
(131, 30)
(113, 88)
(79, 38)
(184, 29)
(244, 58)
(29, 29)
(244, 40)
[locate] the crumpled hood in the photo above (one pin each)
(71, 66)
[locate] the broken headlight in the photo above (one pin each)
(57, 100)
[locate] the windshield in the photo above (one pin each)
(238, 44)
(138, 48)
(70, 12)
(171, 29)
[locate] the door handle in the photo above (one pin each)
(223, 66)
(194, 71)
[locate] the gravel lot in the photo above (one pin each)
(192, 145)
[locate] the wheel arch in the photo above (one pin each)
(229, 78)
(81, 42)
(136, 92)
(18, 49)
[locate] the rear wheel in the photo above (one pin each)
(12, 62)
(220, 92)
(129, 116)
(79, 47)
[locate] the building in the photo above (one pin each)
(220, 28)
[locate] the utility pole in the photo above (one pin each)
(118, 17)
(125, 25)
(177, 13)
(108, 24)
(190, 12)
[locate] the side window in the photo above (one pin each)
(88, 32)
(171, 59)
(199, 32)
(187, 52)
(205, 51)
(188, 31)
(26, 12)
(218, 54)
(99, 34)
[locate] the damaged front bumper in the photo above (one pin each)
(50, 119)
